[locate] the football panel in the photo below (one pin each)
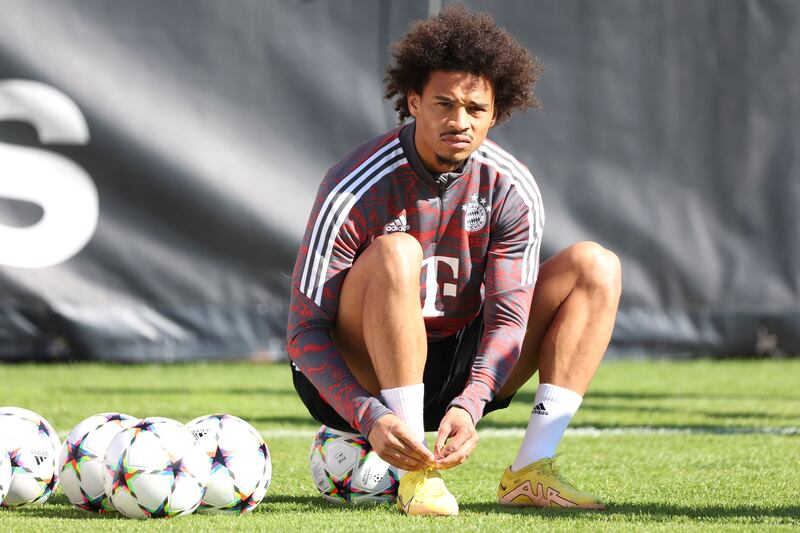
(340, 457)
(186, 495)
(372, 475)
(151, 490)
(117, 447)
(335, 498)
(198, 463)
(126, 504)
(267, 477)
(247, 467)
(71, 485)
(319, 474)
(219, 491)
(174, 437)
(236, 433)
(96, 441)
(5, 472)
(84, 427)
(40, 456)
(206, 430)
(24, 489)
(373, 499)
(91, 480)
(146, 452)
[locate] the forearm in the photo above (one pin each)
(497, 354)
(315, 354)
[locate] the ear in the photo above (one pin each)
(413, 101)
(494, 118)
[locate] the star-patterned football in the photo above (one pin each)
(345, 469)
(155, 468)
(32, 446)
(5, 471)
(81, 460)
(241, 467)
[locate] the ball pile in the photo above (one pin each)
(142, 468)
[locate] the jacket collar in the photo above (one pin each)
(437, 181)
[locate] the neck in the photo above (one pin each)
(433, 162)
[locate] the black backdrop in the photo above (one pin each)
(158, 161)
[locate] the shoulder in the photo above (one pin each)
(368, 159)
(506, 165)
(511, 173)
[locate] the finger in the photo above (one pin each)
(460, 455)
(460, 436)
(411, 450)
(402, 461)
(399, 460)
(445, 429)
(413, 446)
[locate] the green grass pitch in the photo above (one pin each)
(670, 445)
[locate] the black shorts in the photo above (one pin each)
(446, 372)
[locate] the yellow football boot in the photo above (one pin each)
(423, 493)
(540, 484)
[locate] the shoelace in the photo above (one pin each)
(437, 487)
(556, 471)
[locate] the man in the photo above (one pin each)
(413, 304)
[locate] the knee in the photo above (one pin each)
(597, 269)
(398, 257)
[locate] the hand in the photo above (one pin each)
(395, 443)
(456, 425)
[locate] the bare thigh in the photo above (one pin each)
(379, 327)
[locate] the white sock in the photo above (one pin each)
(553, 409)
(408, 403)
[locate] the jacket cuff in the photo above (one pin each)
(372, 411)
(473, 407)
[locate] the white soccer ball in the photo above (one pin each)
(5, 471)
(345, 469)
(81, 461)
(32, 446)
(241, 468)
(155, 468)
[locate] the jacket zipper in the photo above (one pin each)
(442, 187)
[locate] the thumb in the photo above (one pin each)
(441, 437)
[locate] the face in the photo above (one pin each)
(453, 115)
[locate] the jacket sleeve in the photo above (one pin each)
(511, 271)
(332, 240)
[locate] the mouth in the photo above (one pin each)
(457, 141)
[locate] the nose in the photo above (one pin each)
(459, 120)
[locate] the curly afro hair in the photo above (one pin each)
(459, 41)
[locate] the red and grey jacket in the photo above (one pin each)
(480, 232)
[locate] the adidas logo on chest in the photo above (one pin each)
(398, 224)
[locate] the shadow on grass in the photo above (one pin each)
(488, 423)
(299, 420)
(625, 395)
(300, 504)
(140, 391)
(527, 396)
(650, 510)
(61, 512)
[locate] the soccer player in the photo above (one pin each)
(413, 303)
